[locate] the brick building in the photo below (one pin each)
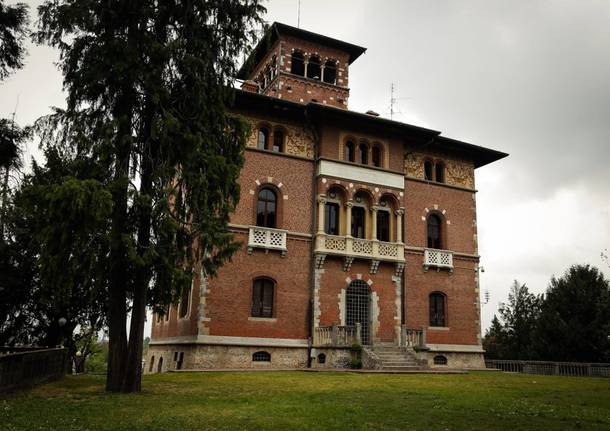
(355, 228)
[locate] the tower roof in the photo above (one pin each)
(278, 29)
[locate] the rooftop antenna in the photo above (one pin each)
(299, 16)
(392, 102)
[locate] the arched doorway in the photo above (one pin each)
(160, 365)
(357, 307)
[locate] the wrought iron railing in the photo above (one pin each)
(551, 368)
(267, 238)
(336, 336)
(25, 368)
(438, 259)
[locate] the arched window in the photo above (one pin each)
(437, 310)
(331, 218)
(266, 208)
(185, 302)
(428, 170)
(440, 360)
(160, 365)
(278, 141)
(439, 169)
(152, 364)
(263, 138)
(297, 66)
(376, 155)
(383, 225)
(434, 231)
(262, 297)
(358, 222)
(330, 72)
(313, 67)
(363, 153)
(350, 154)
(261, 356)
(321, 358)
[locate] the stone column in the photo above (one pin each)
(321, 72)
(374, 222)
(321, 213)
(305, 63)
(399, 213)
(348, 218)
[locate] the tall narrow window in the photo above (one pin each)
(331, 218)
(434, 231)
(437, 310)
(262, 298)
(185, 303)
(278, 141)
(376, 156)
(358, 222)
(313, 68)
(297, 66)
(330, 72)
(440, 172)
(428, 170)
(350, 151)
(263, 138)
(383, 225)
(363, 151)
(266, 208)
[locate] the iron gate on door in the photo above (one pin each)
(357, 306)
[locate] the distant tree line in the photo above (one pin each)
(569, 322)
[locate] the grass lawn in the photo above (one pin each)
(320, 401)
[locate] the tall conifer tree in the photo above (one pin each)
(149, 84)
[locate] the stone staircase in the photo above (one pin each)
(394, 358)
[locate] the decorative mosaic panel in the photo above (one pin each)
(457, 172)
(299, 141)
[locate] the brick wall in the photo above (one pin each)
(456, 208)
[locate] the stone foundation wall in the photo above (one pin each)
(456, 360)
(217, 356)
(334, 358)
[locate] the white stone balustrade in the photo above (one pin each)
(441, 259)
(267, 238)
(357, 247)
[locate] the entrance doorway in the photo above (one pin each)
(357, 307)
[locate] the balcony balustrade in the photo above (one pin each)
(356, 247)
(337, 336)
(267, 238)
(440, 259)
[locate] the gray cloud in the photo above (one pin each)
(530, 78)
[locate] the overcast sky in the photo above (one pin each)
(530, 78)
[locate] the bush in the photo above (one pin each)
(356, 364)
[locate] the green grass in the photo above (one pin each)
(317, 401)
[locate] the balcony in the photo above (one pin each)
(357, 247)
(267, 238)
(337, 336)
(439, 259)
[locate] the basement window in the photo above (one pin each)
(261, 356)
(321, 358)
(440, 360)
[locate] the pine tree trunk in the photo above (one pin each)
(117, 310)
(133, 375)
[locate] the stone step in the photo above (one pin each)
(402, 368)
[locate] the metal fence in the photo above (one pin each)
(551, 368)
(28, 366)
